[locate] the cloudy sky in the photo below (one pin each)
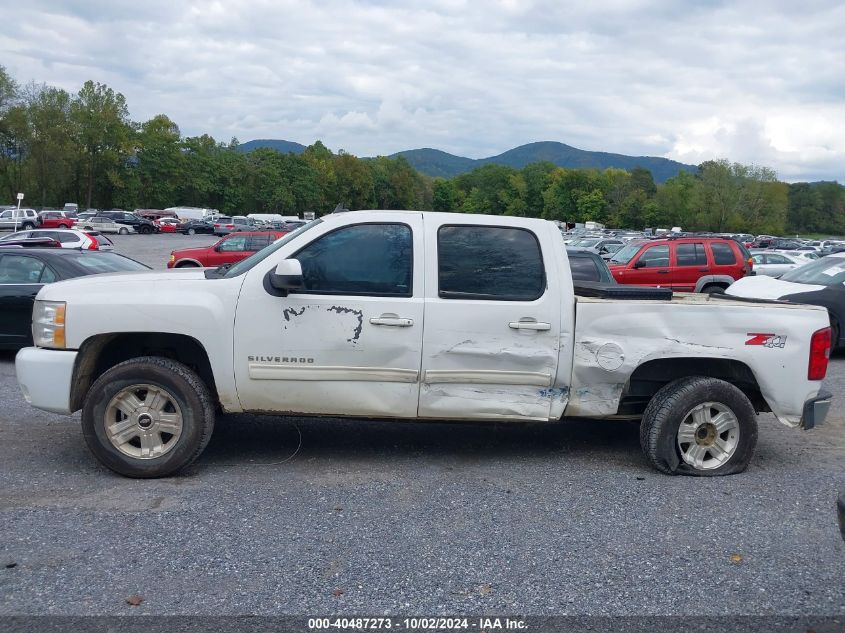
(753, 82)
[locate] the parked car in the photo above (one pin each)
(23, 272)
(104, 224)
(588, 266)
(430, 316)
(67, 238)
(55, 220)
(774, 264)
(598, 245)
(190, 227)
(15, 219)
(167, 225)
(141, 225)
(234, 224)
(686, 264)
(819, 283)
(232, 248)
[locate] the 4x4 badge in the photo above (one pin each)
(766, 340)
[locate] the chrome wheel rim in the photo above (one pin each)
(708, 436)
(143, 421)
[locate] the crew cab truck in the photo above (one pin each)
(428, 316)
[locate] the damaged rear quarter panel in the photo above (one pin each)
(692, 326)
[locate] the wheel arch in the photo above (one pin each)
(651, 376)
(101, 352)
(188, 260)
(713, 280)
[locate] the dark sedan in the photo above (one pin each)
(23, 271)
(587, 265)
(190, 227)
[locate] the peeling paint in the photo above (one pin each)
(553, 392)
(289, 312)
(356, 333)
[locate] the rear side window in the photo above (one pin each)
(723, 254)
(584, 269)
(690, 255)
(257, 242)
(363, 259)
(489, 262)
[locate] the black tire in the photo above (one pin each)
(123, 231)
(63, 226)
(666, 411)
(27, 226)
(186, 265)
(87, 228)
(713, 289)
(186, 388)
(145, 230)
(191, 231)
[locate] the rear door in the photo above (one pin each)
(690, 265)
(725, 260)
(493, 322)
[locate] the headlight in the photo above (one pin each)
(48, 323)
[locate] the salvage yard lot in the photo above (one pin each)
(308, 516)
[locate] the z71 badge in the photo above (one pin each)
(766, 340)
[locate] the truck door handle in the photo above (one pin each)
(529, 325)
(391, 320)
(662, 272)
(704, 270)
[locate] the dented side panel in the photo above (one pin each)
(614, 338)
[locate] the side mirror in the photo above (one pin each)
(639, 264)
(287, 276)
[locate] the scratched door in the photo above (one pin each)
(348, 344)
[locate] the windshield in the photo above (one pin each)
(626, 254)
(827, 271)
(105, 262)
(256, 258)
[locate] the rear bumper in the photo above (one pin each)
(45, 376)
(815, 410)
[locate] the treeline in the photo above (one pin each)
(59, 147)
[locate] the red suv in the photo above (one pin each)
(685, 264)
(229, 250)
(54, 220)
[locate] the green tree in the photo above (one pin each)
(101, 119)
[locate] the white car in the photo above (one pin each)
(424, 316)
(774, 264)
(69, 238)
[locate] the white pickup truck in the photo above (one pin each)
(429, 316)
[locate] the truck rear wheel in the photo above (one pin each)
(148, 417)
(699, 426)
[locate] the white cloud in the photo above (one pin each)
(688, 81)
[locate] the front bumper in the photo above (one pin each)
(815, 410)
(45, 377)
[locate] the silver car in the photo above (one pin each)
(14, 219)
(103, 224)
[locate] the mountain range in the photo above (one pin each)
(436, 163)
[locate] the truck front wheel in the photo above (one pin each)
(148, 417)
(699, 426)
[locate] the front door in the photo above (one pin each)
(492, 331)
(348, 343)
(651, 268)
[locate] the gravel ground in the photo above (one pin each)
(306, 516)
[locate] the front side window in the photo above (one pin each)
(655, 257)
(363, 259)
(234, 244)
(489, 262)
